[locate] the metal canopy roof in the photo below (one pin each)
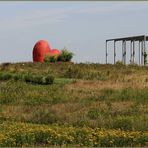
(133, 38)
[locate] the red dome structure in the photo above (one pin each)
(40, 49)
(55, 52)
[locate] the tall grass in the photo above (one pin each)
(35, 79)
(81, 95)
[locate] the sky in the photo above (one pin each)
(81, 27)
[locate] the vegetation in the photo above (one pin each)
(86, 105)
(51, 58)
(34, 79)
(119, 63)
(65, 56)
(21, 134)
(145, 58)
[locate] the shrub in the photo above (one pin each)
(49, 79)
(37, 80)
(65, 55)
(28, 78)
(51, 58)
(5, 76)
(17, 77)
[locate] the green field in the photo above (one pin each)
(87, 105)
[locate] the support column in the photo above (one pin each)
(106, 54)
(114, 52)
(124, 52)
(133, 52)
(139, 53)
(144, 50)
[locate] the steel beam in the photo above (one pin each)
(106, 54)
(139, 52)
(124, 52)
(114, 52)
(144, 49)
(131, 52)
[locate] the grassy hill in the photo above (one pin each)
(87, 105)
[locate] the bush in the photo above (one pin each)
(65, 56)
(5, 76)
(51, 58)
(49, 79)
(36, 79)
(28, 78)
(17, 77)
(39, 79)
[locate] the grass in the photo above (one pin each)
(21, 134)
(82, 95)
(30, 78)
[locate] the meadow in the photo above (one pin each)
(72, 104)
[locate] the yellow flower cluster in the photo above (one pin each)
(26, 134)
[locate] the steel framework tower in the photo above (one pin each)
(132, 40)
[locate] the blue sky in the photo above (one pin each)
(82, 27)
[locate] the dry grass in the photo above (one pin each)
(96, 96)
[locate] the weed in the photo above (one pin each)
(81, 95)
(5, 76)
(49, 79)
(124, 123)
